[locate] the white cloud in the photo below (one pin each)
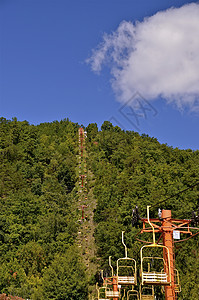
(156, 57)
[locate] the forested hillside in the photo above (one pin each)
(39, 217)
(135, 170)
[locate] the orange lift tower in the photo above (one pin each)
(81, 139)
(166, 226)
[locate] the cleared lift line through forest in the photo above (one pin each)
(86, 206)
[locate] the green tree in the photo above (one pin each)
(65, 278)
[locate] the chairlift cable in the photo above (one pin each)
(182, 191)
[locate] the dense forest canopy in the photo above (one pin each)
(37, 218)
(39, 224)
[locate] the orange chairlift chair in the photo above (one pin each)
(126, 268)
(155, 276)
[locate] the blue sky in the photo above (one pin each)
(44, 76)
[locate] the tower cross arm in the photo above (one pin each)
(183, 226)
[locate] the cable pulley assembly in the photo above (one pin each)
(135, 216)
(195, 218)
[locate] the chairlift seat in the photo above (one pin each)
(112, 294)
(155, 278)
(130, 277)
(147, 297)
(126, 280)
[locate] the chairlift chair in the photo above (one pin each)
(110, 293)
(101, 293)
(126, 268)
(149, 277)
(147, 293)
(177, 286)
(177, 281)
(132, 295)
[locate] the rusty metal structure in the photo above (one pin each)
(165, 226)
(158, 254)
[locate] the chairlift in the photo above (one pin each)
(157, 277)
(126, 268)
(177, 281)
(147, 293)
(177, 286)
(101, 293)
(132, 295)
(110, 293)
